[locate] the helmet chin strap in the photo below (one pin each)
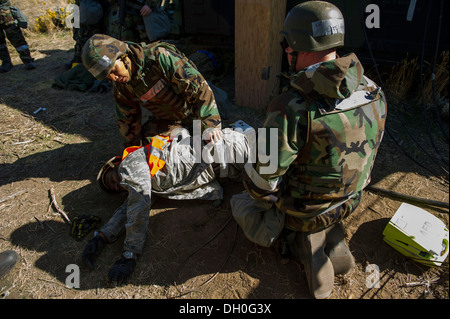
(292, 67)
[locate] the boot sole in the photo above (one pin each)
(11, 258)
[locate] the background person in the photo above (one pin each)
(11, 30)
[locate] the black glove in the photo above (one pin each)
(92, 250)
(121, 271)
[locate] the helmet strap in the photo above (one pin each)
(292, 67)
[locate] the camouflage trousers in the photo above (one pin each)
(81, 35)
(132, 29)
(263, 222)
(9, 29)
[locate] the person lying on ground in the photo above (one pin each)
(170, 167)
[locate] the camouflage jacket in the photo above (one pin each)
(169, 86)
(7, 18)
(188, 172)
(330, 123)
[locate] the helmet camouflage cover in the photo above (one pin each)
(100, 53)
(314, 26)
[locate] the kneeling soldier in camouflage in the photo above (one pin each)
(330, 122)
(169, 167)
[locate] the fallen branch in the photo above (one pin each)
(24, 142)
(407, 198)
(58, 209)
(4, 199)
(426, 283)
(44, 223)
(207, 242)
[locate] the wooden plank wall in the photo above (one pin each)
(258, 53)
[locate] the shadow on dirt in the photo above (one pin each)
(68, 111)
(70, 162)
(368, 247)
(185, 239)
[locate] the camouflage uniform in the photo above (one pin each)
(132, 27)
(165, 82)
(330, 124)
(9, 27)
(183, 177)
(170, 87)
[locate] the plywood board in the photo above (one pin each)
(258, 54)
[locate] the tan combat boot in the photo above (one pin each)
(309, 248)
(338, 251)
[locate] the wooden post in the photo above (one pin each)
(258, 54)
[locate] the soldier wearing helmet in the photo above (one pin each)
(157, 77)
(330, 122)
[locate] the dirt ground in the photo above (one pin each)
(193, 250)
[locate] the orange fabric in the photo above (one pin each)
(129, 150)
(154, 162)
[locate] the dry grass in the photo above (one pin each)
(31, 145)
(441, 76)
(402, 79)
(403, 83)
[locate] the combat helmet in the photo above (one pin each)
(314, 26)
(100, 53)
